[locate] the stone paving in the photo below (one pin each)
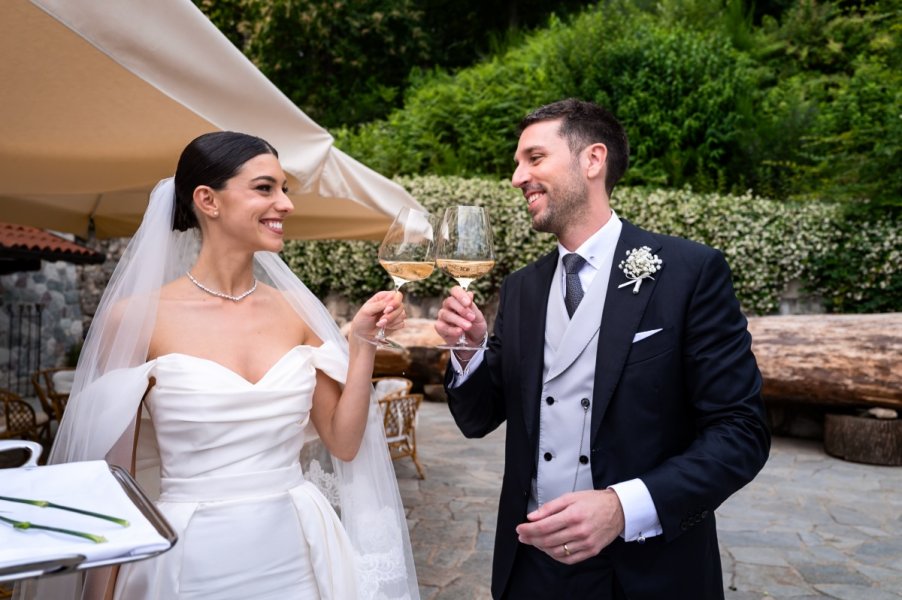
(809, 526)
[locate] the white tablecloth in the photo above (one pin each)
(85, 485)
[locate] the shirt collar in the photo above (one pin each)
(600, 245)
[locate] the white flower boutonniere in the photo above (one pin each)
(640, 264)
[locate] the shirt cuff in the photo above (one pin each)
(461, 374)
(639, 514)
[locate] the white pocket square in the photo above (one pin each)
(644, 334)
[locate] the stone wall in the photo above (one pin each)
(40, 322)
(92, 279)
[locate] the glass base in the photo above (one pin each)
(461, 347)
(380, 342)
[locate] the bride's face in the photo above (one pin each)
(254, 204)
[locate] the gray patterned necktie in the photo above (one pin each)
(572, 264)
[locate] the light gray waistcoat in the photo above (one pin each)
(565, 413)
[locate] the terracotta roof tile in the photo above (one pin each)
(23, 242)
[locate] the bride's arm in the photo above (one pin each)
(339, 414)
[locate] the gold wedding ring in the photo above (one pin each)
(566, 550)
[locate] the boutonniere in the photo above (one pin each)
(640, 264)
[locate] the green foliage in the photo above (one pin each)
(323, 263)
(349, 62)
(675, 90)
(861, 273)
(830, 114)
(853, 263)
(340, 62)
(797, 99)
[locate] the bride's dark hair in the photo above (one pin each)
(211, 159)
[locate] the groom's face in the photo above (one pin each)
(551, 178)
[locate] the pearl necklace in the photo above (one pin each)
(222, 294)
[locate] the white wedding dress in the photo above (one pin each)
(249, 524)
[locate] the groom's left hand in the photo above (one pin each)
(585, 521)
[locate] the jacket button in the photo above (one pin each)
(547, 456)
(583, 459)
(704, 514)
(549, 400)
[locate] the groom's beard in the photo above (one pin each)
(563, 207)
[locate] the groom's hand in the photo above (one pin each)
(585, 521)
(457, 315)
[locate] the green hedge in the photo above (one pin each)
(854, 264)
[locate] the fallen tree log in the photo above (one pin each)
(830, 360)
(842, 361)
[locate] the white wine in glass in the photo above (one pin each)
(464, 250)
(407, 253)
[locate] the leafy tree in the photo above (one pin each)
(340, 62)
(676, 90)
(347, 62)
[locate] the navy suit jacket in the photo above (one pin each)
(680, 409)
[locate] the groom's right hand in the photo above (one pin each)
(457, 315)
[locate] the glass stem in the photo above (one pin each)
(380, 335)
(462, 340)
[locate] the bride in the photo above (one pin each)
(231, 364)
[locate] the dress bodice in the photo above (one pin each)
(211, 421)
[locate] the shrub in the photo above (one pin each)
(853, 262)
(677, 91)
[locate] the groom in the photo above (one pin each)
(622, 366)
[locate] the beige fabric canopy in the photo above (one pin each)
(98, 98)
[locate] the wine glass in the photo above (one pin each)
(464, 251)
(407, 253)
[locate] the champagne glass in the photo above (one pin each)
(464, 251)
(407, 253)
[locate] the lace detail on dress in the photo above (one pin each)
(381, 572)
(326, 483)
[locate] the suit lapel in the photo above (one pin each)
(533, 310)
(623, 312)
(580, 331)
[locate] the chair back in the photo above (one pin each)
(391, 386)
(53, 399)
(21, 421)
(399, 418)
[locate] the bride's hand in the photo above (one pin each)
(384, 309)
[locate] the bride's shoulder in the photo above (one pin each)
(282, 308)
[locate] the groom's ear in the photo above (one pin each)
(596, 161)
(206, 202)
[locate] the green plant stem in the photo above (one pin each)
(23, 525)
(47, 504)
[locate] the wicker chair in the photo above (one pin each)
(391, 386)
(399, 417)
(52, 400)
(20, 421)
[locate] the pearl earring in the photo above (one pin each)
(215, 213)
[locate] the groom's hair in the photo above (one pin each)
(584, 123)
